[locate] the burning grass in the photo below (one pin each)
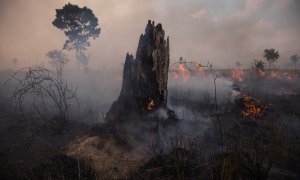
(252, 149)
(251, 156)
(237, 74)
(251, 108)
(185, 71)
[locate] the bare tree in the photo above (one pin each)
(47, 88)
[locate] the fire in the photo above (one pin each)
(200, 69)
(261, 73)
(274, 74)
(289, 77)
(183, 73)
(150, 104)
(251, 108)
(175, 75)
(237, 74)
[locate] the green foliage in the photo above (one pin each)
(271, 56)
(79, 24)
(259, 65)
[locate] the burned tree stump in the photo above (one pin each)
(144, 89)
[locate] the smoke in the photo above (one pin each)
(160, 113)
(192, 100)
(199, 88)
(242, 28)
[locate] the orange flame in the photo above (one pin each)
(237, 74)
(175, 75)
(200, 69)
(182, 73)
(289, 77)
(274, 74)
(261, 73)
(150, 104)
(183, 70)
(252, 108)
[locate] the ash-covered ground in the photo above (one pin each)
(252, 133)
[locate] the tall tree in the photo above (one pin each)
(271, 56)
(79, 25)
(295, 58)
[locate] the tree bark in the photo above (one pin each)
(145, 78)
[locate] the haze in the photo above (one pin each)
(221, 32)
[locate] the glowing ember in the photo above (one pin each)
(200, 69)
(237, 74)
(251, 108)
(150, 104)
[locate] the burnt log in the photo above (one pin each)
(145, 78)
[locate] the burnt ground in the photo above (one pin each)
(267, 147)
(27, 146)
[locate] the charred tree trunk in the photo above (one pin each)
(144, 89)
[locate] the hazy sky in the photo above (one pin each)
(219, 31)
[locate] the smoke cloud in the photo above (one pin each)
(221, 32)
